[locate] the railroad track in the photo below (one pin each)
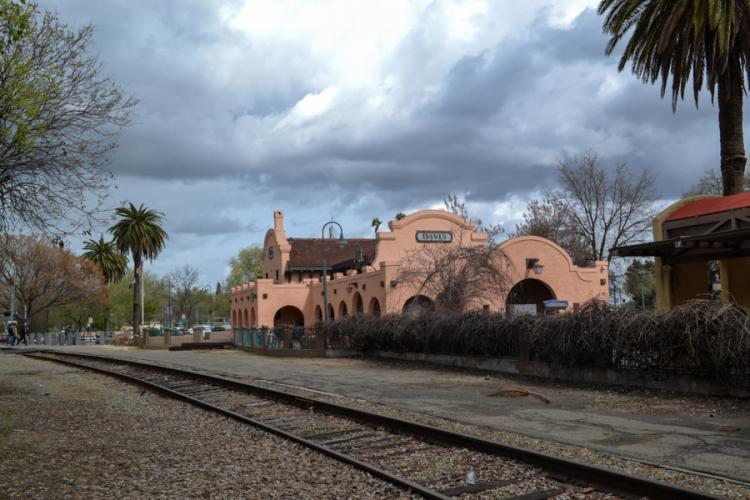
(423, 460)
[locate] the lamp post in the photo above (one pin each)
(341, 241)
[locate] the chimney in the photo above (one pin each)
(278, 221)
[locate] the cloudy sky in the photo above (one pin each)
(362, 109)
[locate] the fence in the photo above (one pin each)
(164, 339)
(73, 338)
(281, 341)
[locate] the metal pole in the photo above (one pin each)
(141, 282)
(169, 306)
(325, 272)
(325, 267)
(13, 298)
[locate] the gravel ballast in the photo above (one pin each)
(65, 433)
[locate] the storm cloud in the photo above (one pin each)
(355, 110)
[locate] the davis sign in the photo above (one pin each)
(434, 236)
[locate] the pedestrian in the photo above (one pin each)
(11, 333)
(24, 333)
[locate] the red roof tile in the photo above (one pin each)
(711, 206)
(308, 252)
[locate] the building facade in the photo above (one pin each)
(364, 273)
(697, 241)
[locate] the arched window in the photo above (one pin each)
(357, 305)
(418, 304)
(342, 309)
(289, 315)
(529, 291)
(374, 307)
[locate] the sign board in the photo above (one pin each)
(555, 304)
(434, 236)
(521, 310)
(91, 322)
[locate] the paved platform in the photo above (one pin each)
(696, 433)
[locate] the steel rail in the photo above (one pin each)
(399, 481)
(562, 469)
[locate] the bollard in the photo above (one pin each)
(198, 334)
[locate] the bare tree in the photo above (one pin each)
(712, 183)
(458, 207)
(45, 275)
(58, 123)
(457, 278)
(185, 288)
(550, 218)
(606, 208)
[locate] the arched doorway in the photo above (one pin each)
(252, 318)
(418, 304)
(234, 319)
(529, 291)
(288, 315)
(374, 307)
(245, 322)
(357, 305)
(331, 316)
(342, 309)
(318, 313)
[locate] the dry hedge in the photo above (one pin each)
(700, 338)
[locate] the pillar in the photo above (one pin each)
(735, 276)
(198, 334)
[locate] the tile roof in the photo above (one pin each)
(707, 206)
(308, 252)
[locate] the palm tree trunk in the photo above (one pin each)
(730, 127)
(136, 295)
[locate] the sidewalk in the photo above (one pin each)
(697, 433)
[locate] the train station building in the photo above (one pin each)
(363, 274)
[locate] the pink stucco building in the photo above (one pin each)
(363, 274)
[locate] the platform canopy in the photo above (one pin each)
(705, 229)
(710, 246)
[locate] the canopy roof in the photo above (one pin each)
(709, 246)
(713, 205)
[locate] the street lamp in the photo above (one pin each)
(341, 242)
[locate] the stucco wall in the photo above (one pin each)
(567, 281)
(380, 282)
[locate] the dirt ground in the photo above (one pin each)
(703, 434)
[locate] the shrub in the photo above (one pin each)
(699, 338)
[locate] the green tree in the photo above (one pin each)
(221, 305)
(246, 266)
(640, 283)
(691, 40)
(110, 261)
(138, 232)
(400, 215)
(105, 255)
(59, 118)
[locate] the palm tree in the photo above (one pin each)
(110, 261)
(376, 224)
(691, 39)
(139, 232)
